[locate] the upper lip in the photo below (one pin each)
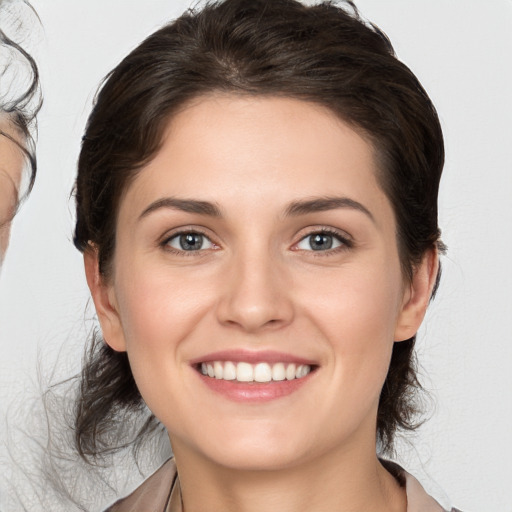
(252, 356)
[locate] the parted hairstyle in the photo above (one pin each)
(323, 53)
(20, 88)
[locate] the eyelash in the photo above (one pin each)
(345, 241)
(192, 231)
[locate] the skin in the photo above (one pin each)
(259, 286)
(11, 166)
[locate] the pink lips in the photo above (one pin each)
(253, 392)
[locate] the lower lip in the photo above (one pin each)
(254, 392)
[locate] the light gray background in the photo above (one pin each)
(461, 51)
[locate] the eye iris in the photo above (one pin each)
(191, 241)
(320, 242)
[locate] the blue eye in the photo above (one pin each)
(190, 241)
(320, 242)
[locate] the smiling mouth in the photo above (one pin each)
(259, 372)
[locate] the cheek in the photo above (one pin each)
(155, 317)
(4, 240)
(360, 302)
(357, 314)
(158, 312)
(8, 203)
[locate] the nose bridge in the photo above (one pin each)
(255, 292)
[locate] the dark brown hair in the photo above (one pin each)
(321, 53)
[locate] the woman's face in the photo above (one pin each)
(258, 245)
(11, 164)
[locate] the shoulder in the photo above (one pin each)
(152, 495)
(418, 500)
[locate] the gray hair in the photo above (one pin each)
(20, 90)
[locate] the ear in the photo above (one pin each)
(417, 296)
(104, 301)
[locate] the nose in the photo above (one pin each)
(256, 293)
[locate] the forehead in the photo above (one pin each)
(255, 156)
(242, 139)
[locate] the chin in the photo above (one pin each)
(255, 449)
(256, 458)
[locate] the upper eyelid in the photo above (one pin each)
(311, 230)
(182, 230)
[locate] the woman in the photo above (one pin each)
(257, 208)
(11, 164)
(20, 101)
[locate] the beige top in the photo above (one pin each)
(156, 495)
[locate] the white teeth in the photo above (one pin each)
(218, 369)
(244, 372)
(278, 372)
(301, 371)
(260, 372)
(229, 371)
(290, 372)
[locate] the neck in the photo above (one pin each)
(334, 482)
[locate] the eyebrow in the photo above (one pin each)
(323, 204)
(295, 208)
(184, 205)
